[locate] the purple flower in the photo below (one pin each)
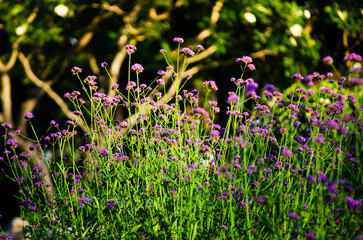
(251, 88)
(130, 49)
(178, 40)
(251, 66)
(233, 98)
(187, 52)
(162, 50)
(331, 187)
(6, 125)
(137, 67)
(212, 84)
(224, 226)
(353, 57)
(310, 236)
(200, 48)
(261, 200)
(270, 87)
(104, 64)
(76, 70)
(294, 234)
(28, 115)
(297, 76)
(293, 216)
(244, 59)
(328, 60)
(353, 204)
(318, 140)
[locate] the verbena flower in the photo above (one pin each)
(328, 60)
(28, 115)
(310, 236)
(187, 52)
(293, 216)
(244, 59)
(178, 40)
(353, 57)
(130, 49)
(76, 70)
(104, 64)
(137, 67)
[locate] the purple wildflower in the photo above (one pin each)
(270, 87)
(328, 60)
(130, 49)
(244, 59)
(178, 40)
(293, 216)
(76, 70)
(251, 88)
(6, 125)
(28, 115)
(200, 48)
(297, 76)
(187, 52)
(353, 57)
(137, 67)
(233, 98)
(104, 64)
(310, 236)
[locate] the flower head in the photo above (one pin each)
(233, 98)
(328, 60)
(137, 67)
(178, 40)
(293, 216)
(310, 236)
(251, 88)
(28, 115)
(76, 70)
(187, 52)
(130, 49)
(244, 59)
(297, 76)
(104, 64)
(200, 48)
(353, 57)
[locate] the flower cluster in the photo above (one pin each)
(170, 171)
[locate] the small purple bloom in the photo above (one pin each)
(353, 57)
(270, 87)
(28, 115)
(200, 48)
(178, 40)
(297, 76)
(104, 64)
(6, 125)
(137, 67)
(233, 98)
(251, 88)
(187, 52)
(293, 216)
(244, 59)
(328, 60)
(76, 70)
(130, 49)
(310, 236)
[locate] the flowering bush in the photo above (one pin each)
(289, 167)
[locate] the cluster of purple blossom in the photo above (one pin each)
(293, 157)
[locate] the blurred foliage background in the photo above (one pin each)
(42, 40)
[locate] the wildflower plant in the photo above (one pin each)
(289, 167)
